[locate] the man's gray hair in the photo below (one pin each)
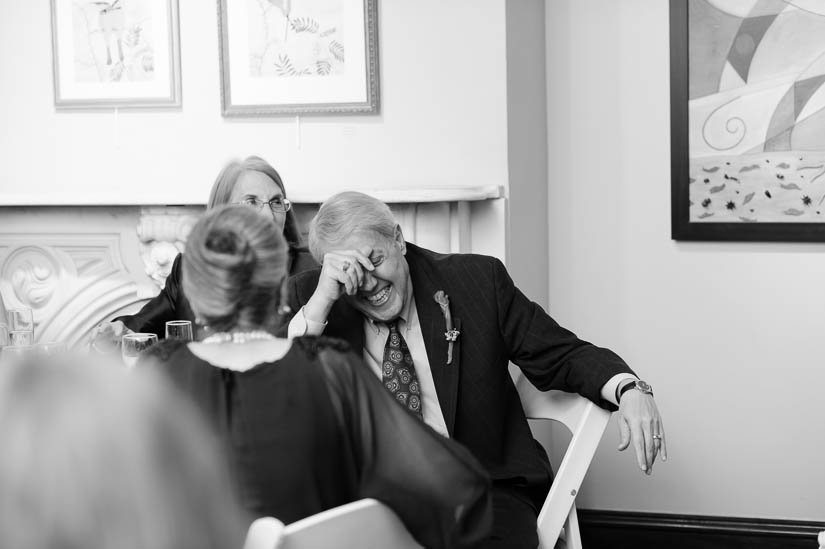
(347, 213)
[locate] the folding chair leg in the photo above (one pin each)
(573, 538)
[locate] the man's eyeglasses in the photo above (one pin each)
(278, 204)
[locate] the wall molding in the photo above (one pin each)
(637, 530)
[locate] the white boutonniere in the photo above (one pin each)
(451, 335)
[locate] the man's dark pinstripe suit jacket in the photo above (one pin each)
(498, 324)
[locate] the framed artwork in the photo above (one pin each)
(747, 120)
(115, 53)
(284, 57)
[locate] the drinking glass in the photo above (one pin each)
(20, 338)
(133, 344)
(21, 320)
(179, 329)
(4, 336)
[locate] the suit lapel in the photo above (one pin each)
(425, 283)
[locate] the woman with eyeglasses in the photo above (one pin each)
(252, 182)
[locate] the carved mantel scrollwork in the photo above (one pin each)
(70, 281)
(34, 274)
(162, 236)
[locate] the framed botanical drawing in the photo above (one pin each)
(748, 120)
(115, 53)
(284, 57)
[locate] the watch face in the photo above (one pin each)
(644, 386)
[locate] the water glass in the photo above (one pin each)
(4, 336)
(133, 344)
(21, 320)
(21, 338)
(179, 329)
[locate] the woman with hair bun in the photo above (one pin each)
(306, 425)
(252, 182)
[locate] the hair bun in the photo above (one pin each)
(223, 241)
(232, 268)
(227, 248)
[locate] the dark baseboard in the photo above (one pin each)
(630, 530)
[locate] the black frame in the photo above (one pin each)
(681, 227)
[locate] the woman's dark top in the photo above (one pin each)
(172, 304)
(316, 429)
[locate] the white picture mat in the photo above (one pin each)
(245, 93)
(163, 38)
(247, 90)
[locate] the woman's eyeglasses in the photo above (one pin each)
(278, 204)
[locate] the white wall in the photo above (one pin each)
(443, 116)
(729, 334)
(527, 148)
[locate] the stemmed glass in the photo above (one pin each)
(21, 338)
(21, 326)
(179, 329)
(133, 344)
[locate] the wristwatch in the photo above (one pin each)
(640, 385)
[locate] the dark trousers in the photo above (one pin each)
(514, 520)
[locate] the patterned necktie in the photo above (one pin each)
(398, 372)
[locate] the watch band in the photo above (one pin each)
(623, 389)
(636, 384)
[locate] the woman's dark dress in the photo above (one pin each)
(316, 429)
(172, 304)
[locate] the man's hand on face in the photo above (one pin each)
(641, 425)
(342, 272)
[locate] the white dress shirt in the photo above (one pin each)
(375, 339)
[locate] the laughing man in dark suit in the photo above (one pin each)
(401, 304)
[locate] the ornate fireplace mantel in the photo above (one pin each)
(76, 266)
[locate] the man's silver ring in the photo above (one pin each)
(346, 266)
(657, 437)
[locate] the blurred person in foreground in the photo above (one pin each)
(93, 458)
(459, 320)
(306, 425)
(251, 182)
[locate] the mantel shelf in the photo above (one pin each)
(418, 195)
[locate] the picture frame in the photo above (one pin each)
(311, 58)
(747, 122)
(109, 54)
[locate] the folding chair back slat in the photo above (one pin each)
(587, 423)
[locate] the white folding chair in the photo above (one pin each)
(587, 423)
(362, 524)
(264, 533)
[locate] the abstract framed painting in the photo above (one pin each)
(285, 57)
(115, 53)
(748, 120)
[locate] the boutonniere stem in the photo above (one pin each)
(451, 335)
